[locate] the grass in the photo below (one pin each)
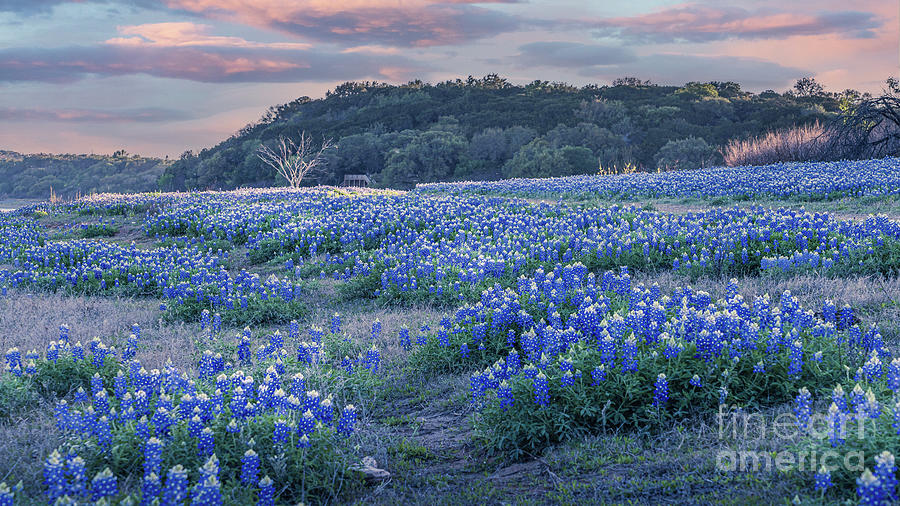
(418, 426)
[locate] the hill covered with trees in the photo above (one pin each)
(36, 175)
(488, 128)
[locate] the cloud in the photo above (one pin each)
(30, 7)
(401, 23)
(700, 23)
(205, 64)
(678, 69)
(144, 115)
(571, 55)
(185, 34)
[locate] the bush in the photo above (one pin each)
(92, 231)
(16, 395)
(257, 312)
(798, 144)
(689, 153)
(600, 345)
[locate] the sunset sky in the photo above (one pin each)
(157, 77)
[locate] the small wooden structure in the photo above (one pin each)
(357, 180)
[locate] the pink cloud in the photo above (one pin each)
(196, 63)
(145, 115)
(363, 22)
(704, 23)
(187, 34)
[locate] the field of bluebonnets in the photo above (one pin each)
(580, 340)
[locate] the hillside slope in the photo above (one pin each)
(488, 128)
(34, 175)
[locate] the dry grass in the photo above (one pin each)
(24, 445)
(876, 299)
(358, 325)
(30, 321)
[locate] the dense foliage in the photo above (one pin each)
(488, 128)
(37, 175)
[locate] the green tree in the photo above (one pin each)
(689, 153)
(431, 156)
(539, 159)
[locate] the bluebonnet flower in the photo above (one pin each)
(796, 365)
(505, 394)
(759, 368)
(695, 381)
(103, 485)
(206, 444)
(845, 318)
(836, 427)
(152, 456)
(347, 421)
(204, 319)
(336, 324)
(404, 339)
(541, 390)
(76, 471)
(568, 379)
(803, 408)
(243, 349)
(7, 496)
(150, 489)
(870, 490)
(326, 411)
(823, 479)
(103, 431)
(307, 423)
(54, 476)
(872, 407)
(266, 492)
(77, 352)
(598, 374)
(13, 358)
(249, 468)
(175, 491)
(373, 359)
(886, 473)
(280, 432)
(207, 492)
(376, 329)
(629, 355)
(276, 340)
(298, 385)
(660, 390)
(839, 399)
(893, 375)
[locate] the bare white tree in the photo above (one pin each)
(294, 161)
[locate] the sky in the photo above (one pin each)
(158, 77)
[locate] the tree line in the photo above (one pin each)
(488, 128)
(474, 128)
(67, 176)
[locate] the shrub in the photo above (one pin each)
(16, 395)
(689, 153)
(797, 144)
(256, 312)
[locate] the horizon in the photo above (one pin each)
(159, 77)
